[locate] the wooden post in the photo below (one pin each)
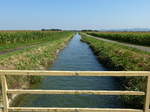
(147, 98)
(4, 93)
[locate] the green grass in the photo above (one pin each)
(122, 58)
(139, 38)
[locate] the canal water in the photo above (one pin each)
(77, 56)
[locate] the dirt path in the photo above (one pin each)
(17, 49)
(143, 48)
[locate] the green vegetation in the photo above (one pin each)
(37, 57)
(119, 57)
(23, 37)
(11, 40)
(140, 38)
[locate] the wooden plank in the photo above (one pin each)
(37, 73)
(74, 73)
(40, 109)
(4, 93)
(147, 97)
(90, 92)
(114, 73)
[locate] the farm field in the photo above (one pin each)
(139, 38)
(17, 39)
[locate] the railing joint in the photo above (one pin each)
(76, 74)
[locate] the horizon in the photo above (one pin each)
(74, 15)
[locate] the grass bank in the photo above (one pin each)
(139, 38)
(119, 57)
(35, 58)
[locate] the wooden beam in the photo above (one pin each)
(74, 73)
(114, 73)
(90, 92)
(147, 97)
(33, 109)
(4, 93)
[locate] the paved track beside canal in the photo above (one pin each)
(143, 48)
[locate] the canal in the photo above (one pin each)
(77, 56)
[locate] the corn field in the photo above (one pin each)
(27, 36)
(140, 38)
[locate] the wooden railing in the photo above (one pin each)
(6, 91)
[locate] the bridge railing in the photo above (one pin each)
(6, 90)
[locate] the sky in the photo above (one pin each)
(74, 14)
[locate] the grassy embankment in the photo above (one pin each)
(139, 38)
(37, 57)
(119, 57)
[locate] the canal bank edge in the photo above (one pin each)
(41, 56)
(119, 57)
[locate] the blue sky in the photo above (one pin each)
(74, 14)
